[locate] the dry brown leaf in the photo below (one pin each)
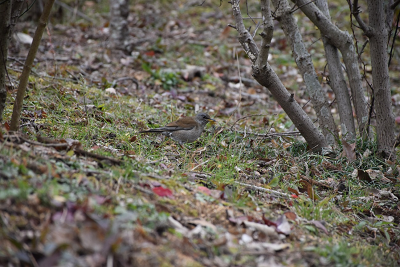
(349, 150)
(290, 215)
(363, 176)
(319, 225)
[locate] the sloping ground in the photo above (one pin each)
(81, 187)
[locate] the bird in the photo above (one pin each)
(184, 130)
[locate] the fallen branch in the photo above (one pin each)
(85, 153)
(270, 191)
(64, 144)
(205, 176)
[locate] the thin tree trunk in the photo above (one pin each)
(268, 78)
(378, 37)
(9, 13)
(344, 42)
(338, 83)
(28, 66)
(5, 27)
(265, 75)
(306, 67)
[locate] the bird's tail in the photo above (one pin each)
(152, 131)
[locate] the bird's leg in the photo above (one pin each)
(182, 146)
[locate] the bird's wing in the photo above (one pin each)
(185, 123)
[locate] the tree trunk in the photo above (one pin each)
(338, 83)
(344, 42)
(14, 125)
(9, 13)
(5, 27)
(306, 67)
(378, 37)
(265, 75)
(268, 78)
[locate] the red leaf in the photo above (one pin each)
(294, 191)
(150, 53)
(163, 192)
(7, 126)
(269, 222)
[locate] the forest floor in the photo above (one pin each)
(81, 187)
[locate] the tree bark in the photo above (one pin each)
(306, 67)
(9, 13)
(28, 66)
(265, 75)
(378, 37)
(343, 41)
(268, 78)
(5, 28)
(338, 83)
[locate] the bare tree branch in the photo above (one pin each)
(355, 11)
(394, 38)
(394, 5)
(245, 38)
(266, 34)
(266, 76)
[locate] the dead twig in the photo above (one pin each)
(270, 191)
(64, 145)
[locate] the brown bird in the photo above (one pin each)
(184, 130)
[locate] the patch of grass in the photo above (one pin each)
(342, 253)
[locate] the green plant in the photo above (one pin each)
(167, 80)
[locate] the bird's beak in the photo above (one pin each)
(212, 121)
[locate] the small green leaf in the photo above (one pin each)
(310, 228)
(274, 182)
(146, 67)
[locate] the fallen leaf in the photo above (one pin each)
(377, 175)
(163, 192)
(290, 215)
(204, 190)
(294, 191)
(363, 176)
(319, 225)
(283, 226)
(311, 193)
(274, 182)
(349, 150)
(268, 230)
